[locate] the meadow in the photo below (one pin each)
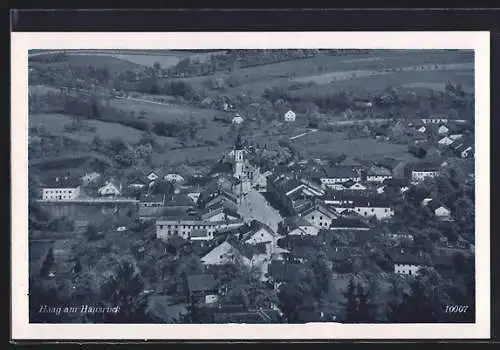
(323, 143)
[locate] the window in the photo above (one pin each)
(312, 217)
(373, 210)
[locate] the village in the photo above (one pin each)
(351, 215)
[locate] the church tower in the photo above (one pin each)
(238, 158)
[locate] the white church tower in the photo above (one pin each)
(239, 158)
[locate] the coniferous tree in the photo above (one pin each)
(48, 262)
(125, 290)
(418, 306)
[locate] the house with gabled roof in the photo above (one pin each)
(202, 288)
(439, 210)
(110, 188)
(151, 205)
(260, 233)
(319, 215)
(296, 225)
(378, 174)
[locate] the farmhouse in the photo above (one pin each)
(151, 205)
(202, 288)
(369, 207)
(443, 130)
(289, 116)
(153, 175)
(61, 188)
(439, 210)
(299, 226)
(378, 174)
(173, 177)
(229, 253)
(318, 215)
(181, 224)
(338, 174)
(259, 233)
(405, 263)
(110, 188)
(422, 171)
(445, 141)
(237, 120)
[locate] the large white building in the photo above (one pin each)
(61, 188)
(199, 227)
(420, 172)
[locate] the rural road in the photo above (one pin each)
(303, 134)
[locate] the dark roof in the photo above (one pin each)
(380, 171)
(340, 172)
(394, 182)
(139, 179)
(62, 182)
(281, 271)
(425, 166)
(372, 201)
(180, 200)
(198, 181)
(321, 208)
(222, 167)
(349, 223)
(199, 283)
(397, 256)
(177, 241)
(147, 197)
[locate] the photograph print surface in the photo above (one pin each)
(252, 186)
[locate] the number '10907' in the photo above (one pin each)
(456, 308)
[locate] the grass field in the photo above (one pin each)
(322, 69)
(113, 64)
(322, 143)
(55, 123)
(135, 58)
(417, 80)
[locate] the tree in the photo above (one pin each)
(418, 306)
(358, 308)
(91, 232)
(48, 263)
(124, 290)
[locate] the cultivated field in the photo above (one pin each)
(323, 143)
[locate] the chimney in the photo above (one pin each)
(57, 179)
(402, 251)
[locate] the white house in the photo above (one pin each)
(109, 189)
(297, 226)
(369, 207)
(223, 254)
(443, 130)
(442, 213)
(405, 263)
(237, 120)
(173, 177)
(445, 141)
(378, 174)
(290, 116)
(339, 174)
(319, 216)
(261, 234)
(61, 188)
(422, 171)
(422, 129)
(153, 176)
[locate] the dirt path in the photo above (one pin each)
(303, 134)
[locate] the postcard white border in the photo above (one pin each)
(22, 42)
